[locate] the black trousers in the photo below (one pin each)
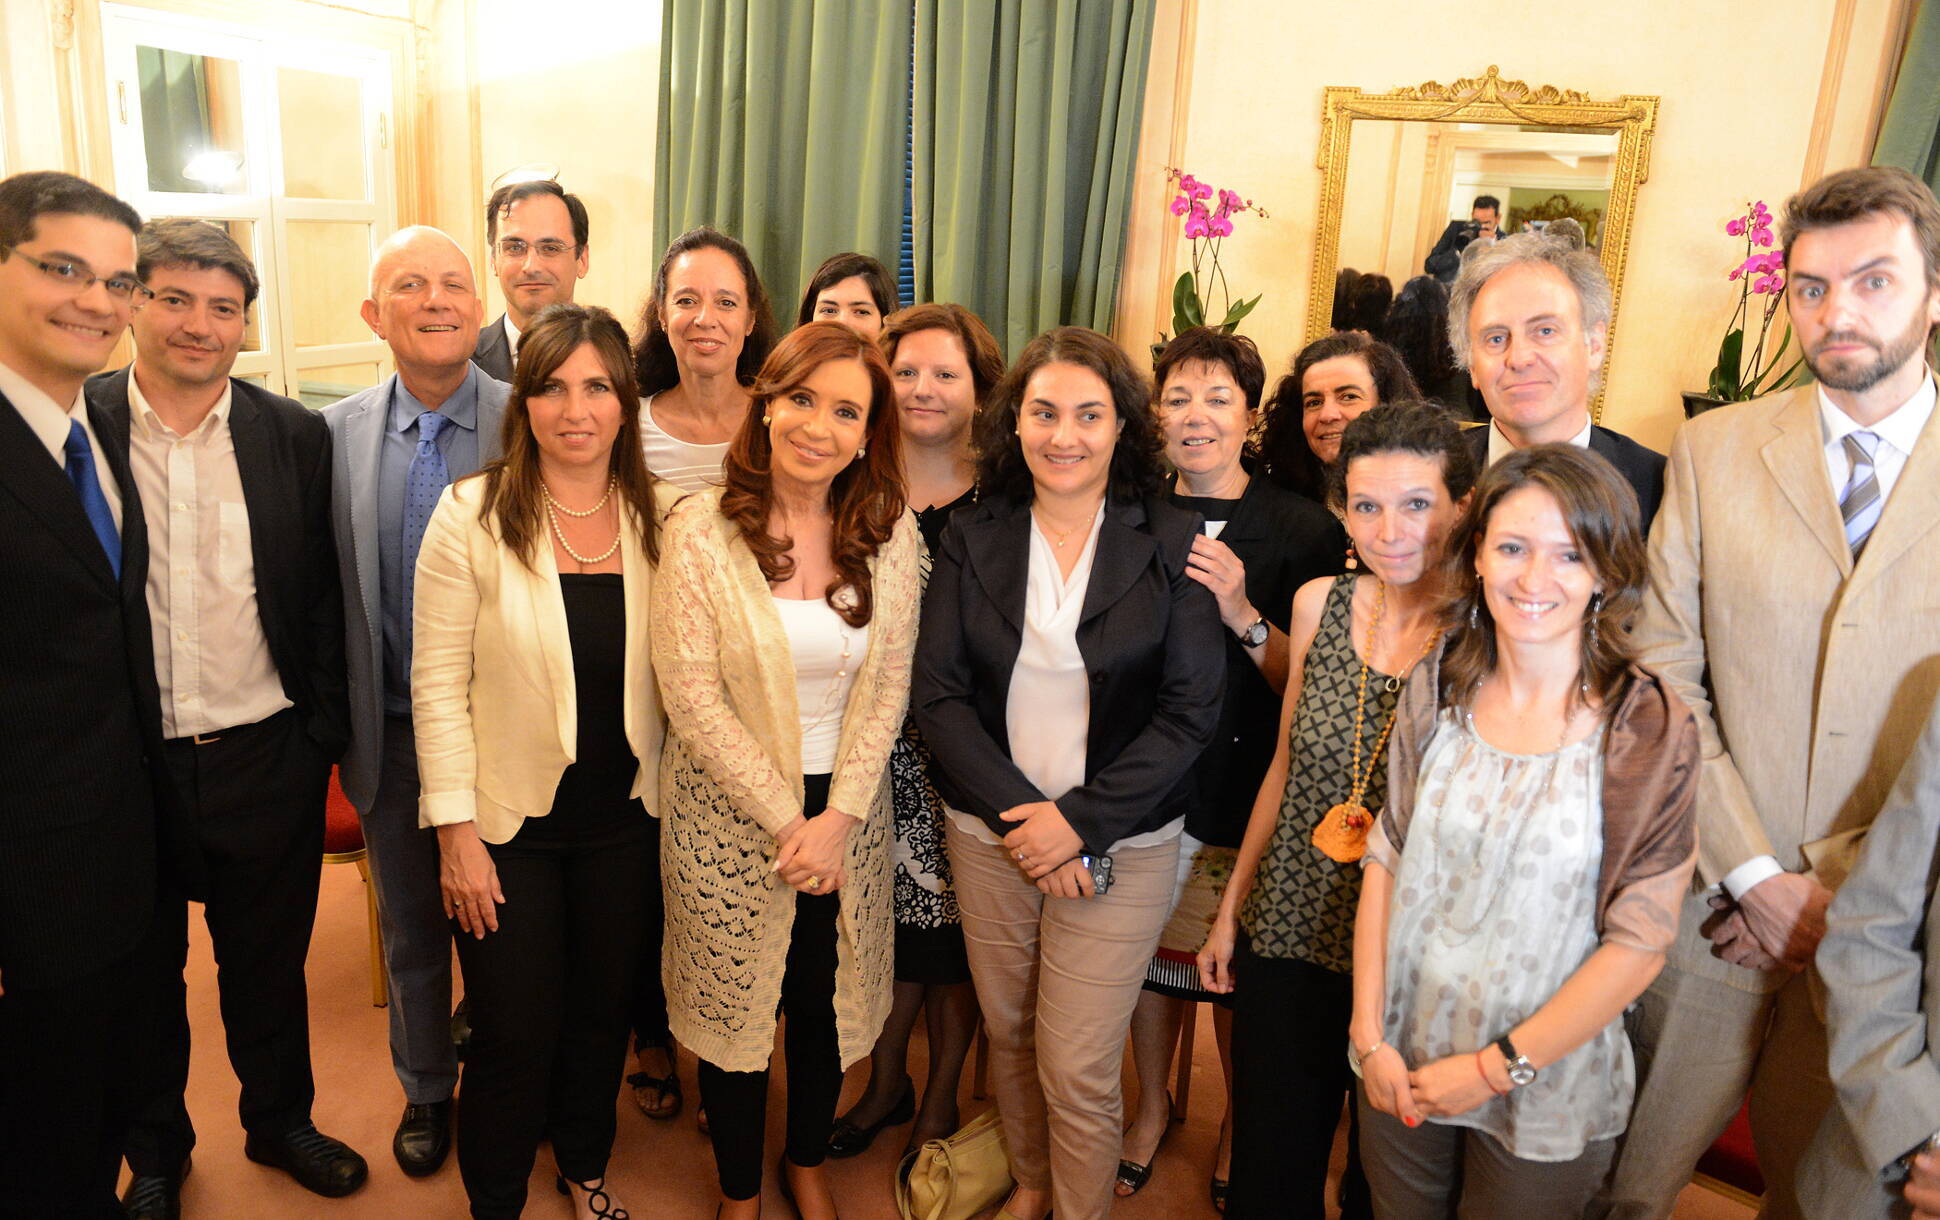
(737, 1102)
(549, 994)
(649, 993)
(64, 1099)
(1290, 1079)
(250, 842)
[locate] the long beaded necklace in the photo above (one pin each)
(554, 508)
(1342, 834)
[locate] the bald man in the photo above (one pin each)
(395, 447)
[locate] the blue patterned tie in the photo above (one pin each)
(1860, 503)
(80, 472)
(422, 487)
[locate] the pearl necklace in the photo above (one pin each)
(554, 508)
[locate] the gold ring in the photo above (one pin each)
(814, 883)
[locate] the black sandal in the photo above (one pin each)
(665, 1090)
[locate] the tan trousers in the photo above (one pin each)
(1058, 979)
(1701, 1046)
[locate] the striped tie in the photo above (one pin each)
(1861, 501)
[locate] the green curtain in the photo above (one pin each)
(783, 124)
(1024, 132)
(174, 115)
(1909, 136)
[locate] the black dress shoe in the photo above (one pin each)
(423, 1138)
(155, 1197)
(320, 1164)
(847, 1139)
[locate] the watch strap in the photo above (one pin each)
(1507, 1048)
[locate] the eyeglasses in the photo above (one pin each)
(79, 277)
(515, 248)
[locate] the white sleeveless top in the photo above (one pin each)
(686, 465)
(827, 653)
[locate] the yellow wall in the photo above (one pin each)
(1758, 98)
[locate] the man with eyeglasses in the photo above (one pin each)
(79, 722)
(538, 238)
(248, 629)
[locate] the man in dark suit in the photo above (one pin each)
(538, 239)
(78, 724)
(1484, 224)
(248, 632)
(1528, 318)
(394, 448)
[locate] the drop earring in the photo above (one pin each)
(1596, 606)
(1474, 616)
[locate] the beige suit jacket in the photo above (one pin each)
(1810, 676)
(492, 693)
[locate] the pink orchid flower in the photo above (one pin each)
(1735, 228)
(1220, 226)
(1198, 225)
(1180, 206)
(1761, 236)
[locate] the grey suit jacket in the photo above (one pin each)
(494, 351)
(357, 438)
(1810, 674)
(1882, 995)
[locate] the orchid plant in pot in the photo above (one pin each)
(1740, 374)
(1209, 214)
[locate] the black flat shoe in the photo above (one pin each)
(596, 1197)
(848, 1140)
(319, 1164)
(154, 1196)
(423, 1138)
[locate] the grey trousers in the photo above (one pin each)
(1436, 1171)
(1701, 1046)
(417, 936)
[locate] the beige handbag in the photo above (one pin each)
(955, 1178)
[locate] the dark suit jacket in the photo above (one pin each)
(1285, 540)
(1445, 260)
(494, 351)
(283, 456)
(80, 721)
(1642, 468)
(1150, 637)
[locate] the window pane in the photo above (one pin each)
(323, 134)
(319, 388)
(191, 120)
(329, 262)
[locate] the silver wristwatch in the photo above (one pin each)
(1521, 1071)
(1255, 635)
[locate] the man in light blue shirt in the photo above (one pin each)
(396, 447)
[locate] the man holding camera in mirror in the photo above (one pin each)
(1484, 224)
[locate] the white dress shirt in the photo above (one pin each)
(1898, 432)
(512, 335)
(51, 422)
(1500, 446)
(212, 659)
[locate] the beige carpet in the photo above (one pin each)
(659, 1170)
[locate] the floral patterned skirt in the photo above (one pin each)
(929, 929)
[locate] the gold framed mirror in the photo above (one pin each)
(1399, 169)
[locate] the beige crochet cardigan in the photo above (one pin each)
(731, 778)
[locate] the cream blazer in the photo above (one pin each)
(732, 780)
(1810, 676)
(492, 695)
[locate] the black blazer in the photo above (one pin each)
(283, 456)
(1150, 637)
(80, 722)
(1285, 540)
(494, 351)
(1642, 468)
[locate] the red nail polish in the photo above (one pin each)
(1412, 1121)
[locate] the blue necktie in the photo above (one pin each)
(422, 488)
(80, 472)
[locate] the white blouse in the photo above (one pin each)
(827, 652)
(686, 465)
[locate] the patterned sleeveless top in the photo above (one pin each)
(1302, 902)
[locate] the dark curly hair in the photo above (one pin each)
(1285, 456)
(1138, 461)
(653, 355)
(1409, 426)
